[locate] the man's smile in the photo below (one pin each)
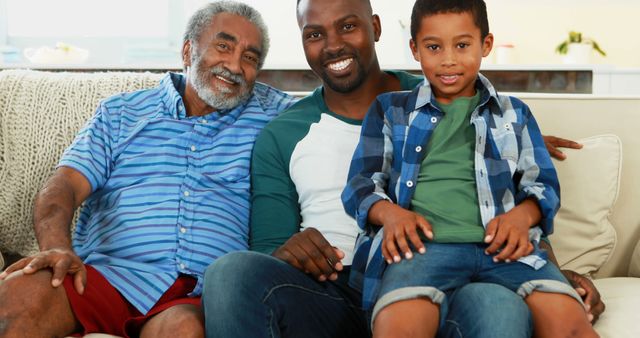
(338, 67)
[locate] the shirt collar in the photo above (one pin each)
(173, 84)
(424, 95)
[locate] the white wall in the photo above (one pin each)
(535, 27)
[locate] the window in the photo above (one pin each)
(131, 33)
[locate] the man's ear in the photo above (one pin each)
(186, 54)
(487, 45)
(377, 27)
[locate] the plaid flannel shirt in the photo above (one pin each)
(511, 164)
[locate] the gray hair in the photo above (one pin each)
(201, 19)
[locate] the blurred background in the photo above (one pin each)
(141, 34)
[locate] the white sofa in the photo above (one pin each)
(597, 231)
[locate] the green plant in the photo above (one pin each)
(576, 37)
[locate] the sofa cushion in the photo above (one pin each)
(634, 266)
(584, 237)
(621, 296)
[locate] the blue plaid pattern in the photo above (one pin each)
(511, 164)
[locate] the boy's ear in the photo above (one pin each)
(377, 27)
(414, 50)
(487, 45)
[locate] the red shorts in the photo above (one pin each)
(102, 309)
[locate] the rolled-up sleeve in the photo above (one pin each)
(539, 178)
(369, 172)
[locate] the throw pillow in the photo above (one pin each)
(584, 237)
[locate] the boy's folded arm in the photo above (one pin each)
(369, 172)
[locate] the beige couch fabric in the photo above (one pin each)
(622, 316)
(634, 267)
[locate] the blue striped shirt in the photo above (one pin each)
(511, 164)
(170, 193)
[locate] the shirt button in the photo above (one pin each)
(186, 194)
(507, 126)
(203, 121)
(409, 184)
(193, 148)
(418, 149)
(182, 266)
(434, 119)
(183, 229)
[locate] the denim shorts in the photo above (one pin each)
(446, 267)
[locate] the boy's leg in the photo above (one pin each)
(558, 315)
(248, 294)
(31, 307)
(407, 318)
(556, 307)
(484, 310)
(413, 294)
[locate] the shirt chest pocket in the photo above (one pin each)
(506, 141)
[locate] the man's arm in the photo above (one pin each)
(53, 214)
(84, 167)
(275, 213)
(553, 143)
(587, 290)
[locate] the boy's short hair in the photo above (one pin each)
(477, 8)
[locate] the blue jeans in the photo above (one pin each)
(248, 294)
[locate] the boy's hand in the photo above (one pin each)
(508, 235)
(399, 225)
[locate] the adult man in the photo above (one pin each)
(164, 177)
(299, 169)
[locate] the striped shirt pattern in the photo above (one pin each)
(511, 164)
(170, 193)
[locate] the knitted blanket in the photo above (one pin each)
(40, 114)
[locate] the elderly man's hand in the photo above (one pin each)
(553, 143)
(60, 261)
(310, 252)
(590, 295)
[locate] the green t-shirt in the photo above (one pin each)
(446, 193)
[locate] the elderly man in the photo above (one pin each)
(164, 178)
(296, 285)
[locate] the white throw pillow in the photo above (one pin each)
(584, 237)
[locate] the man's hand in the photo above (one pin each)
(584, 286)
(553, 143)
(310, 252)
(60, 261)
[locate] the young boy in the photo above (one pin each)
(460, 175)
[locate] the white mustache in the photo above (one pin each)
(221, 71)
